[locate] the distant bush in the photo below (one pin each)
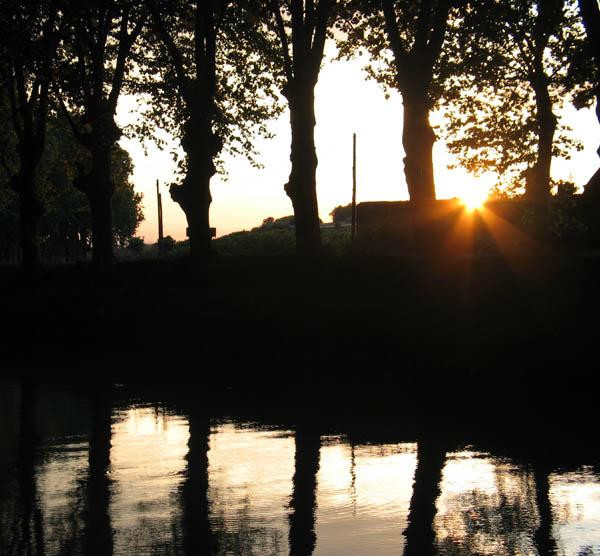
(167, 244)
(341, 214)
(136, 245)
(276, 241)
(270, 223)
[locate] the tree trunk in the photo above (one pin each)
(590, 14)
(99, 191)
(302, 185)
(30, 213)
(538, 186)
(418, 139)
(193, 195)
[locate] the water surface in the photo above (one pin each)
(93, 472)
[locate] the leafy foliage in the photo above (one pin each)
(170, 78)
(66, 219)
(506, 59)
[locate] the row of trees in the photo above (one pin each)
(213, 72)
(65, 226)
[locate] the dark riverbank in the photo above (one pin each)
(241, 320)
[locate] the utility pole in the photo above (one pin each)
(160, 219)
(353, 234)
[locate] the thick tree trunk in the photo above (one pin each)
(538, 184)
(30, 213)
(418, 139)
(302, 185)
(99, 192)
(193, 195)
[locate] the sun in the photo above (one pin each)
(473, 198)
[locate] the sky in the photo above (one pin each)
(346, 103)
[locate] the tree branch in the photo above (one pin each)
(297, 35)
(287, 62)
(391, 25)
(169, 43)
(438, 32)
(322, 15)
(126, 42)
(78, 135)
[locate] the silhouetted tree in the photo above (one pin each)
(28, 45)
(510, 61)
(214, 92)
(405, 41)
(95, 61)
(65, 223)
(300, 28)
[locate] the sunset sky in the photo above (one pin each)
(345, 103)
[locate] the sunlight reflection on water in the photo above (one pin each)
(263, 490)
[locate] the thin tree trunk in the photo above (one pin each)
(302, 185)
(418, 139)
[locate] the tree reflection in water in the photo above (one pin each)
(197, 535)
(302, 537)
(98, 534)
(420, 535)
(544, 539)
(66, 489)
(29, 536)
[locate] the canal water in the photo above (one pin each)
(105, 472)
